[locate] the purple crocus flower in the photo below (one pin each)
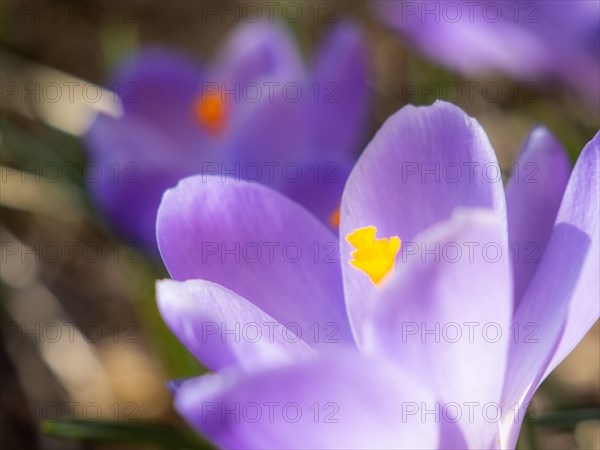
(433, 325)
(257, 113)
(527, 40)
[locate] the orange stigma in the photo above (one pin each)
(334, 218)
(210, 111)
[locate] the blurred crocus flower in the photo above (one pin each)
(433, 325)
(536, 40)
(258, 113)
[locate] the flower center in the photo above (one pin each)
(210, 111)
(375, 257)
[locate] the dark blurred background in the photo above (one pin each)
(81, 336)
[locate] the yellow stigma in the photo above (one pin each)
(210, 111)
(375, 257)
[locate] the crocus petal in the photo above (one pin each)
(257, 243)
(320, 187)
(537, 39)
(161, 86)
(253, 71)
(223, 329)
(447, 315)
(581, 209)
(271, 143)
(562, 301)
(471, 46)
(151, 147)
(132, 165)
(258, 52)
(533, 195)
(422, 164)
(271, 135)
(340, 94)
(340, 402)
